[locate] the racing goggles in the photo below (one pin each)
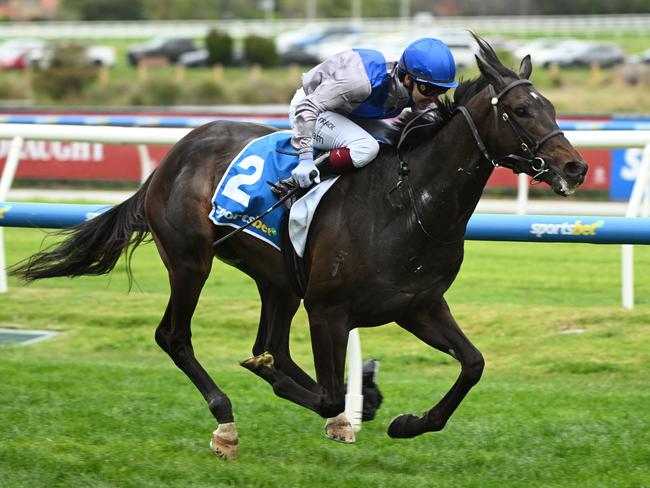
(429, 89)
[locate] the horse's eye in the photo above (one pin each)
(521, 112)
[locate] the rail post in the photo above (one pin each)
(636, 207)
(8, 173)
(354, 396)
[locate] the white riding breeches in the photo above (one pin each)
(335, 130)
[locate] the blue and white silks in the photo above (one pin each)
(243, 192)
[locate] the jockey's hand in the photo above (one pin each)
(306, 172)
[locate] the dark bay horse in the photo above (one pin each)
(377, 252)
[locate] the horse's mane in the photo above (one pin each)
(427, 127)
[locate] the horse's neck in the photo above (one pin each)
(452, 175)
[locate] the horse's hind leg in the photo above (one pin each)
(187, 276)
(438, 328)
(272, 343)
(329, 329)
(271, 349)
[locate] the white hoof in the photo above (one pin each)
(339, 429)
(224, 441)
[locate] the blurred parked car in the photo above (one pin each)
(317, 48)
(101, 55)
(582, 53)
(97, 55)
(200, 58)
(539, 49)
(311, 45)
(171, 49)
(14, 53)
(195, 59)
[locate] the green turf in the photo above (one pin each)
(100, 405)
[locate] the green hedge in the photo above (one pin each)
(260, 50)
(68, 74)
(219, 46)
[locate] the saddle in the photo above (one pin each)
(258, 181)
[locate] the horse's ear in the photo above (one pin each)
(526, 67)
(489, 73)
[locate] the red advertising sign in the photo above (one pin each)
(79, 161)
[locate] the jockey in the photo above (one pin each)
(343, 99)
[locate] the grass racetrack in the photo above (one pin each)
(563, 402)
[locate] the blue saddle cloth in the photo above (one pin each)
(243, 192)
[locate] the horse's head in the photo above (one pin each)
(525, 136)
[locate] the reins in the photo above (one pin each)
(512, 161)
(404, 171)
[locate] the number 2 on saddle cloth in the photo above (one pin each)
(247, 190)
(244, 192)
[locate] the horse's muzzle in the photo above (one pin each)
(566, 180)
(575, 172)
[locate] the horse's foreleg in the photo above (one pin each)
(174, 337)
(438, 328)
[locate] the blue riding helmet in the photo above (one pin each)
(429, 60)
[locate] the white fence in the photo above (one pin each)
(631, 24)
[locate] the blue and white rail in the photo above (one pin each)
(481, 227)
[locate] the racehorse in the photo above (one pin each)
(386, 242)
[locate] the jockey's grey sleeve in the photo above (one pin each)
(338, 84)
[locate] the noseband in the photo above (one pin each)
(516, 163)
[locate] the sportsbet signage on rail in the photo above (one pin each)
(574, 228)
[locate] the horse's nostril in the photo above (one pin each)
(575, 169)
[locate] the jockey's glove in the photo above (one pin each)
(306, 172)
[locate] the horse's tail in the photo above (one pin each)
(93, 247)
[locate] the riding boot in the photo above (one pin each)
(337, 162)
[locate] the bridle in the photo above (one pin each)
(518, 164)
(528, 144)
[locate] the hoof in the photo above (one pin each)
(255, 362)
(224, 441)
(339, 429)
(403, 426)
